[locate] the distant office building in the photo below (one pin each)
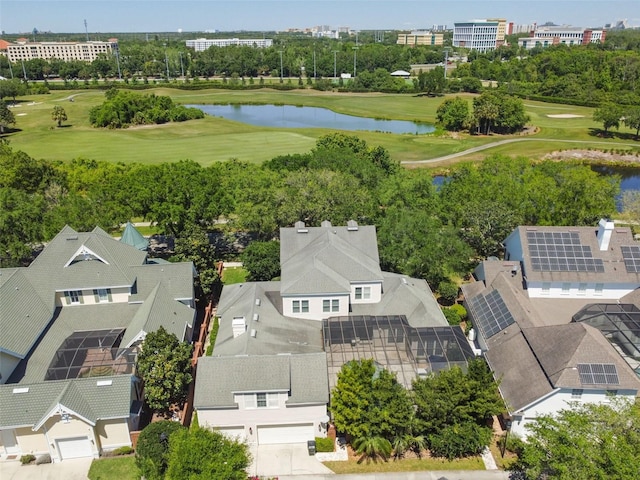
(514, 29)
(420, 37)
(22, 49)
(438, 28)
(202, 44)
(480, 35)
(545, 36)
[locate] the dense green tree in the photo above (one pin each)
(58, 115)
(453, 397)
(484, 225)
(262, 260)
(609, 115)
(152, 449)
(459, 440)
(11, 88)
(368, 401)
(583, 441)
(201, 454)
(164, 364)
(632, 119)
(416, 243)
(453, 114)
(6, 117)
(20, 225)
(193, 245)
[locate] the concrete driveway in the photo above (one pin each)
(73, 469)
(289, 459)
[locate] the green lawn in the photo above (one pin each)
(215, 139)
(407, 465)
(234, 275)
(110, 468)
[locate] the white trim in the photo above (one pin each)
(83, 250)
(59, 409)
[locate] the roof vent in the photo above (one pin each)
(326, 224)
(352, 226)
(104, 383)
(300, 227)
(256, 317)
(75, 237)
(21, 390)
(258, 302)
(239, 326)
(253, 333)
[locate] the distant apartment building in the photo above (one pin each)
(480, 35)
(420, 37)
(201, 44)
(545, 36)
(438, 28)
(23, 50)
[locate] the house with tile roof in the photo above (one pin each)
(558, 320)
(71, 325)
(269, 376)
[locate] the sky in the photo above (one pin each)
(68, 16)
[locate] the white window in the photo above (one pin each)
(103, 295)
(599, 288)
(331, 305)
(582, 289)
(576, 394)
(363, 293)
(74, 297)
(260, 400)
(300, 306)
(546, 287)
(565, 288)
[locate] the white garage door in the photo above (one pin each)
(272, 434)
(74, 447)
(235, 433)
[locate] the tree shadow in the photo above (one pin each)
(68, 125)
(614, 134)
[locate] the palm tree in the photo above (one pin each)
(372, 448)
(59, 115)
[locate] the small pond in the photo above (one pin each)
(289, 116)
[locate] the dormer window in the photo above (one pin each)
(74, 297)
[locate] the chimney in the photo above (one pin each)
(605, 230)
(239, 326)
(326, 224)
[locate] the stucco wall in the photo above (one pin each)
(7, 364)
(56, 428)
(376, 293)
(31, 442)
(113, 433)
(315, 306)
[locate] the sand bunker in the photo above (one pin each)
(565, 115)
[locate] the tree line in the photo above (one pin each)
(435, 233)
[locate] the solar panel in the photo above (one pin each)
(561, 252)
(490, 313)
(631, 257)
(598, 374)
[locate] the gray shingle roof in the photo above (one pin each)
(177, 279)
(274, 332)
(82, 396)
(327, 259)
(218, 378)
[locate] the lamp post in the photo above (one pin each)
(166, 61)
(355, 61)
(118, 63)
(335, 71)
(446, 61)
(181, 65)
(281, 71)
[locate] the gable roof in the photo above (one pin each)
(82, 396)
(303, 376)
(327, 259)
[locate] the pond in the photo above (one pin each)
(289, 116)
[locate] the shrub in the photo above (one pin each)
(27, 459)
(126, 450)
(324, 444)
(460, 310)
(448, 291)
(152, 450)
(452, 316)
(457, 441)
(42, 459)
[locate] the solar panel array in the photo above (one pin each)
(631, 256)
(598, 374)
(561, 252)
(490, 313)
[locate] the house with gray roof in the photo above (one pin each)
(71, 325)
(268, 379)
(571, 342)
